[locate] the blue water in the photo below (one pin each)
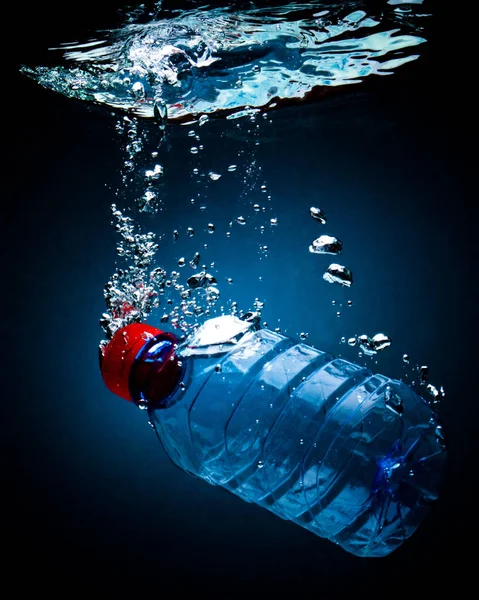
(384, 161)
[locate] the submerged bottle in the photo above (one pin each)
(349, 455)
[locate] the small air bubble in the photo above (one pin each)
(380, 342)
(338, 274)
(440, 437)
(434, 392)
(138, 90)
(423, 373)
(326, 244)
(317, 214)
(194, 262)
(393, 401)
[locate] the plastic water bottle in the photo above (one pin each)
(349, 455)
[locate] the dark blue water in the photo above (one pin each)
(88, 483)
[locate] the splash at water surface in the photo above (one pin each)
(190, 63)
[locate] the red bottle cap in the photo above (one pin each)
(119, 356)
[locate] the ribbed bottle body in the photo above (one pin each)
(317, 440)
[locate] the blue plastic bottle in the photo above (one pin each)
(351, 456)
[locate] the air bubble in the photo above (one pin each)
(393, 401)
(200, 280)
(326, 244)
(138, 90)
(195, 261)
(434, 392)
(317, 214)
(338, 274)
(154, 174)
(440, 436)
(380, 342)
(423, 373)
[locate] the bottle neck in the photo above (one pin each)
(156, 372)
